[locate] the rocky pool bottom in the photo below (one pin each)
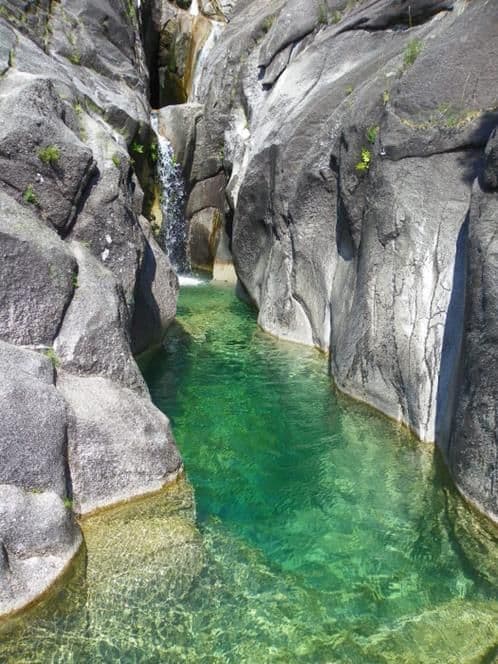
(310, 529)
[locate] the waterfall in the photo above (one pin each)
(172, 186)
(200, 66)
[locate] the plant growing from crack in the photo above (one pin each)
(411, 52)
(29, 196)
(49, 155)
(365, 160)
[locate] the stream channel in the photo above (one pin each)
(308, 528)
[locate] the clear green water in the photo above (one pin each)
(319, 531)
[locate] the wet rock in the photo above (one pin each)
(203, 238)
(38, 540)
(178, 124)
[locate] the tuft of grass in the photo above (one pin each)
(49, 155)
(349, 90)
(412, 51)
(336, 17)
(68, 503)
(75, 58)
(116, 160)
(385, 97)
(365, 160)
(53, 357)
(371, 134)
(29, 196)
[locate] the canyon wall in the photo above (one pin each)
(355, 143)
(83, 283)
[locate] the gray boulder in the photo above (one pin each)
(178, 124)
(119, 444)
(38, 540)
(37, 271)
(33, 423)
(155, 296)
(94, 337)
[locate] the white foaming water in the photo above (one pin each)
(188, 280)
(172, 184)
(200, 66)
(194, 8)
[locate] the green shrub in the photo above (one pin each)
(53, 357)
(50, 154)
(116, 160)
(137, 147)
(29, 196)
(365, 159)
(372, 134)
(68, 503)
(412, 51)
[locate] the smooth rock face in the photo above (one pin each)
(38, 539)
(350, 150)
(81, 278)
(119, 444)
(33, 422)
(36, 276)
(155, 295)
(93, 338)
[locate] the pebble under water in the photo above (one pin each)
(309, 528)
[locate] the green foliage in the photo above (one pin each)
(29, 196)
(153, 152)
(68, 503)
(365, 159)
(74, 280)
(336, 17)
(75, 58)
(53, 357)
(322, 15)
(349, 89)
(138, 148)
(371, 134)
(50, 154)
(385, 97)
(412, 51)
(116, 160)
(267, 23)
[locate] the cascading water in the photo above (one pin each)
(200, 67)
(173, 197)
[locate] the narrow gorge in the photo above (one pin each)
(317, 182)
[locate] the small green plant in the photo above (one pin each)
(336, 17)
(68, 503)
(78, 108)
(267, 23)
(385, 97)
(50, 154)
(322, 15)
(371, 134)
(74, 280)
(365, 159)
(53, 357)
(137, 147)
(75, 58)
(349, 89)
(412, 51)
(116, 160)
(29, 196)
(153, 152)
